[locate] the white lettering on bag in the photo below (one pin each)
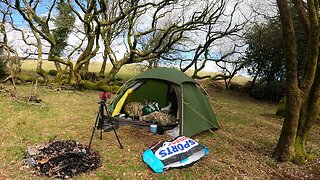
(175, 147)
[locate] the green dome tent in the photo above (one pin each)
(194, 111)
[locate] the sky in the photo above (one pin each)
(15, 38)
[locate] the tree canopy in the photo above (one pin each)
(126, 32)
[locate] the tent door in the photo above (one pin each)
(178, 93)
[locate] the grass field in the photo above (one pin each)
(241, 149)
(126, 72)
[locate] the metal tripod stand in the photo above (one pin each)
(104, 122)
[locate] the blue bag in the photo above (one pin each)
(178, 152)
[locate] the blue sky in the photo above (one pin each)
(41, 10)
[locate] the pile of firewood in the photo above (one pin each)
(62, 159)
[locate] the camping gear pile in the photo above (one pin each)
(160, 118)
(166, 97)
(62, 159)
(149, 112)
(178, 152)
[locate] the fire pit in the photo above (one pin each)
(62, 159)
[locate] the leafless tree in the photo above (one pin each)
(42, 30)
(153, 31)
(10, 54)
(220, 26)
(128, 16)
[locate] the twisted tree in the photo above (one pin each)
(9, 53)
(302, 102)
(131, 31)
(41, 27)
(222, 31)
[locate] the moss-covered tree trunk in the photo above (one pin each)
(106, 34)
(112, 73)
(58, 66)
(39, 70)
(72, 76)
(310, 84)
(302, 101)
(285, 149)
(103, 66)
(116, 68)
(308, 118)
(85, 67)
(83, 60)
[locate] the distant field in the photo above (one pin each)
(126, 72)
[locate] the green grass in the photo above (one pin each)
(126, 72)
(241, 149)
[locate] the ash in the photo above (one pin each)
(62, 159)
